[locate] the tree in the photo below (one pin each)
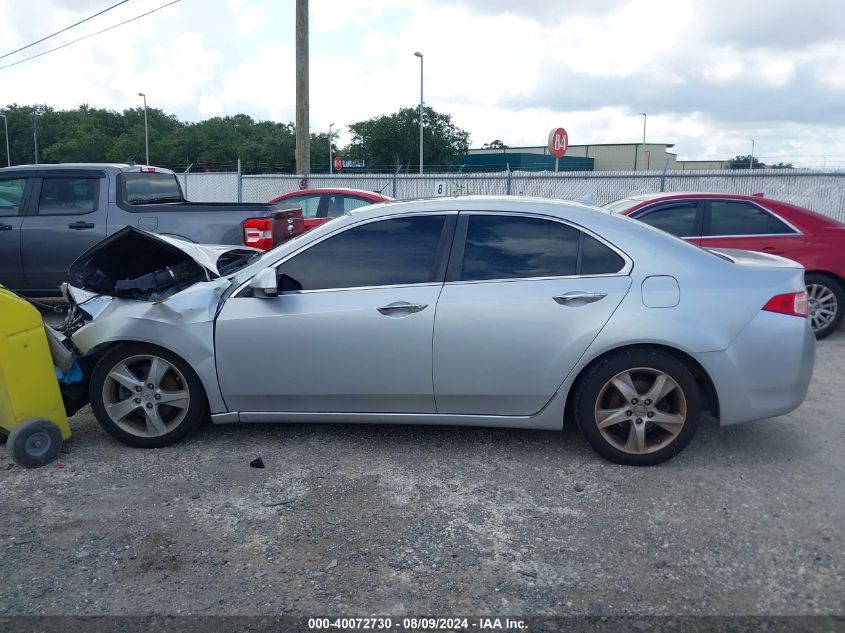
(496, 144)
(392, 140)
(782, 166)
(745, 162)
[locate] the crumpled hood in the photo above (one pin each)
(139, 265)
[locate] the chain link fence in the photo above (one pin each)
(821, 191)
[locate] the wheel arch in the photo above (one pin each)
(710, 398)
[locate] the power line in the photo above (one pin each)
(67, 28)
(85, 37)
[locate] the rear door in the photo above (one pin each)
(13, 196)
(681, 218)
(67, 216)
(524, 298)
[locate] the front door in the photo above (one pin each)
(356, 338)
(524, 299)
(69, 218)
(12, 202)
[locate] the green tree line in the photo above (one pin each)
(87, 134)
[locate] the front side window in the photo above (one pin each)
(67, 196)
(11, 196)
(734, 217)
(507, 247)
(383, 253)
(679, 219)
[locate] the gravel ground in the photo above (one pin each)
(358, 520)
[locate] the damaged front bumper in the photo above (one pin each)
(139, 287)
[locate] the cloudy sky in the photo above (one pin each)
(711, 74)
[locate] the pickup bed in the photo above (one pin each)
(51, 214)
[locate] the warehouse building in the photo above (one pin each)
(594, 157)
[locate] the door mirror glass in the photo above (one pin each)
(264, 284)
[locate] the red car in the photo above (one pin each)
(321, 205)
(756, 223)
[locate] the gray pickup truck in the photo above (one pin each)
(51, 214)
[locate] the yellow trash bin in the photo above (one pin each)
(32, 413)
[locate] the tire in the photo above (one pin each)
(34, 443)
(825, 294)
(631, 433)
(146, 396)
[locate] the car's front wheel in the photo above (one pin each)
(827, 300)
(638, 407)
(146, 396)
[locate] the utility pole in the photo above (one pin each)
(303, 130)
(645, 118)
(420, 55)
(331, 125)
(6, 126)
(751, 158)
(146, 131)
(35, 134)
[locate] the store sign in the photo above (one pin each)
(558, 142)
(342, 163)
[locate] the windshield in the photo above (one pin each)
(618, 206)
(149, 188)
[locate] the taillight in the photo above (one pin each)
(258, 233)
(791, 303)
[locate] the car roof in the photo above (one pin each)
(341, 190)
(109, 167)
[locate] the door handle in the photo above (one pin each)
(771, 250)
(402, 306)
(576, 297)
(80, 226)
(5, 227)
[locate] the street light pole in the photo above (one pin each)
(645, 118)
(6, 127)
(146, 132)
(331, 125)
(420, 55)
(751, 158)
(35, 134)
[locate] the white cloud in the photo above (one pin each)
(710, 73)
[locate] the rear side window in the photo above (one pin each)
(679, 219)
(339, 205)
(383, 253)
(509, 247)
(598, 259)
(729, 217)
(150, 188)
(309, 204)
(11, 196)
(67, 196)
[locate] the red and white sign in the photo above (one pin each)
(558, 142)
(338, 163)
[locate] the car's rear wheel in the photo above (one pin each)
(827, 300)
(146, 396)
(638, 407)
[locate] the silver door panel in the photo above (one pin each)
(329, 351)
(505, 347)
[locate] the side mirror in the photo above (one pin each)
(265, 284)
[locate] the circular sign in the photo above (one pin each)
(338, 163)
(558, 142)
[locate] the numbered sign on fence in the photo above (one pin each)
(441, 188)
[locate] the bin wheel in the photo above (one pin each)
(34, 443)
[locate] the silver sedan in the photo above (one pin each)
(484, 311)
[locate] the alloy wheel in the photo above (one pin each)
(640, 410)
(823, 306)
(146, 395)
